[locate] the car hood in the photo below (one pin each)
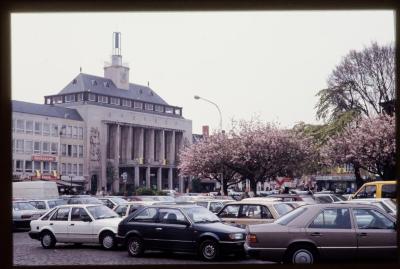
(218, 227)
(108, 222)
(28, 212)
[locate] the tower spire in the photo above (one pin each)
(116, 43)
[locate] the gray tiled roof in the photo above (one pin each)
(138, 92)
(46, 110)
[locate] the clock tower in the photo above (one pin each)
(116, 71)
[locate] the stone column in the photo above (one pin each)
(136, 180)
(140, 143)
(159, 178)
(171, 148)
(148, 177)
(116, 158)
(103, 158)
(170, 182)
(161, 146)
(129, 144)
(150, 146)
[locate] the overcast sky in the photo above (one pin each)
(265, 64)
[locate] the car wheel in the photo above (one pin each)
(209, 250)
(108, 241)
(135, 246)
(47, 240)
(302, 255)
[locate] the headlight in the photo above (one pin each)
(236, 236)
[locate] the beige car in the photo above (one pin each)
(253, 211)
(325, 231)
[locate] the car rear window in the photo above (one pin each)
(282, 209)
(286, 219)
(389, 191)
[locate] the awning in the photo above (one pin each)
(77, 179)
(63, 183)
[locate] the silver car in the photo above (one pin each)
(23, 213)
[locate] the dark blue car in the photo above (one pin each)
(179, 228)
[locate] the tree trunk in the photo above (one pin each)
(253, 186)
(359, 179)
(389, 172)
(225, 187)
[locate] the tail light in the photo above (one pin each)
(251, 238)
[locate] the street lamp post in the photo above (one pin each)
(220, 129)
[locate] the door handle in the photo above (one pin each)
(362, 234)
(51, 223)
(72, 224)
(316, 234)
(159, 229)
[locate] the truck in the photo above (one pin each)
(35, 190)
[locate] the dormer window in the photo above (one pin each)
(140, 91)
(70, 98)
(102, 99)
(148, 107)
(114, 101)
(151, 93)
(74, 81)
(138, 105)
(94, 82)
(107, 84)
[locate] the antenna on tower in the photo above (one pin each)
(116, 43)
(148, 84)
(80, 69)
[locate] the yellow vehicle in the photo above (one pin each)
(376, 189)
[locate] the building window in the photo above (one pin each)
(80, 96)
(54, 130)
(29, 127)
(46, 129)
(169, 110)
(80, 132)
(74, 151)
(92, 97)
(46, 167)
(38, 128)
(28, 166)
(114, 101)
(94, 82)
(20, 146)
(159, 108)
(69, 131)
(19, 165)
(127, 103)
(57, 99)
(148, 106)
(36, 147)
(63, 130)
(54, 148)
(138, 105)
(75, 132)
(28, 146)
(75, 169)
(36, 166)
(54, 166)
(70, 98)
(68, 168)
(45, 147)
(69, 150)
(63, 149)
(80, 151)
(20, 126)
(63, 169)
(177, 111)
(102, 99)
(81, 169)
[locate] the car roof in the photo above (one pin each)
(341, 204)
(256, 202)
(80, 205)
(174, 205)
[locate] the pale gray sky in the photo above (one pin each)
(269, 64)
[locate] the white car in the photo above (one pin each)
(77, 223)
(213, 205)
(123, 210)
(385, 204)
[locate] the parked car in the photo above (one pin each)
(325, 198)
(83, 199)
(127, 208)
(39, 189)
(325, 231)
(47, 204)
(214, 205)
(377, 189)
(192, 198)
(76, 223)
(160, 198)
(112, 201)
(183, 228)
(23, 213)
(253, 212)
(385, 204)
(295, 197)
(172, 193)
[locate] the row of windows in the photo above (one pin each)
(75, 151)
(35, 147)
(28, 166)
(114, 101)
(46, 129)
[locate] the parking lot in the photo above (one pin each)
(29, 252)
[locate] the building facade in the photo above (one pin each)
(131, 136)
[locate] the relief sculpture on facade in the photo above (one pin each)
(95, 153)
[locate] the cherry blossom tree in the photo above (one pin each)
(368, 143)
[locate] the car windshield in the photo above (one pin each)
(118, 200)
(285, 219)
(23, 206)
(102, 212)
(201, 215)
(60, 202)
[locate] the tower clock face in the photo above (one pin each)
(123, 77)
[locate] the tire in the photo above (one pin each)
(47, 240)
(209, 250)
(135, 246)
(301, 255)
(107, 241)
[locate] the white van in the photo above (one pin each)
(35, 190)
